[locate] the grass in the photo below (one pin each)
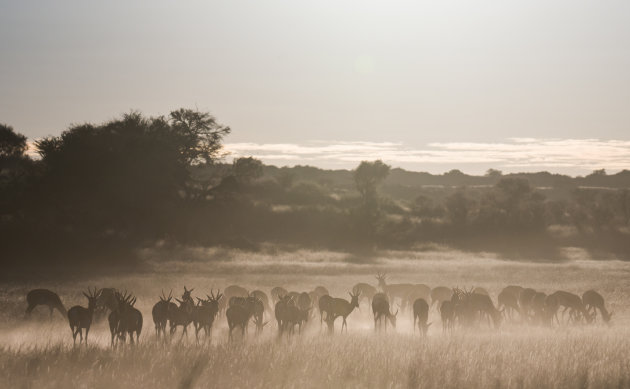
(38, 353)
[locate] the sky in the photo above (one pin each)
(424, 85)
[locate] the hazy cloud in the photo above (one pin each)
(558, 155)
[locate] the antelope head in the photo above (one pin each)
(380, 277)
(354, 299)
(186, 296)
(92, 296)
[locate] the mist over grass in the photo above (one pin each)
(39, 353)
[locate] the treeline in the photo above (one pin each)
(98, 193)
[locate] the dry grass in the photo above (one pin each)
(40, 354)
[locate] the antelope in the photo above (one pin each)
(440, 294)
(205, 313)
(367, 291)
(161, 312)
(573, 303)
(447, 314)
(44, 297)
(324, 304)
(229, 292)
(280, 312)
(183, 315)
(513, 289)
(126, 319)
(508, 301)
(304, 301)
(107, 300)
(80, 317)
(294, 296)
(525, 301)
(380, 309)
(295, 316)
(421, 314)
(258, 311)
(394, 291)
(343, 308)
(538, 307)
(483, 304)
(419, 291)
(594, 301)
(551, 309)
(480, 290)
(278, 292)
(262, 296)
(320, 290)
(238, 316)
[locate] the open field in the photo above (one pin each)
(38, 353)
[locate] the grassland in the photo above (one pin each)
(38, 353)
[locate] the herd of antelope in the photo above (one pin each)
(456, 307)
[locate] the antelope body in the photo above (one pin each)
(44, 297)
(594, 301)
(440, 294)
(343, 308)
(80, 318)
(381, 311)
(421, 315)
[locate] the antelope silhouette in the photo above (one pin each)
(594, 301)
(419, 291)
(394, 291)
(447, 314)
(343, 308)
(381, 311)
(44, 297)
(205, 313)
(573, 303)
(367, 291)
(324, 304)
(125, 320)
(440, 294)
(280, 312)
(508, 301)
(80, 318)
(161, 312)
(277, 293)
(238, 316)
(183, 315)
(421, 314)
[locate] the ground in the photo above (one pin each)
(39, 353)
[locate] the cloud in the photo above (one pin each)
(566, 155)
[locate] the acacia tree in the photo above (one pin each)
(200, 134)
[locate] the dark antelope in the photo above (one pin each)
(573, 303)
(381, 311)
(421, 314)
(80, 317)
(204, 314)
(343, 308)
(394, 291)
(44, 297)
(161, 312)
(593, 301)
(125, 320)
